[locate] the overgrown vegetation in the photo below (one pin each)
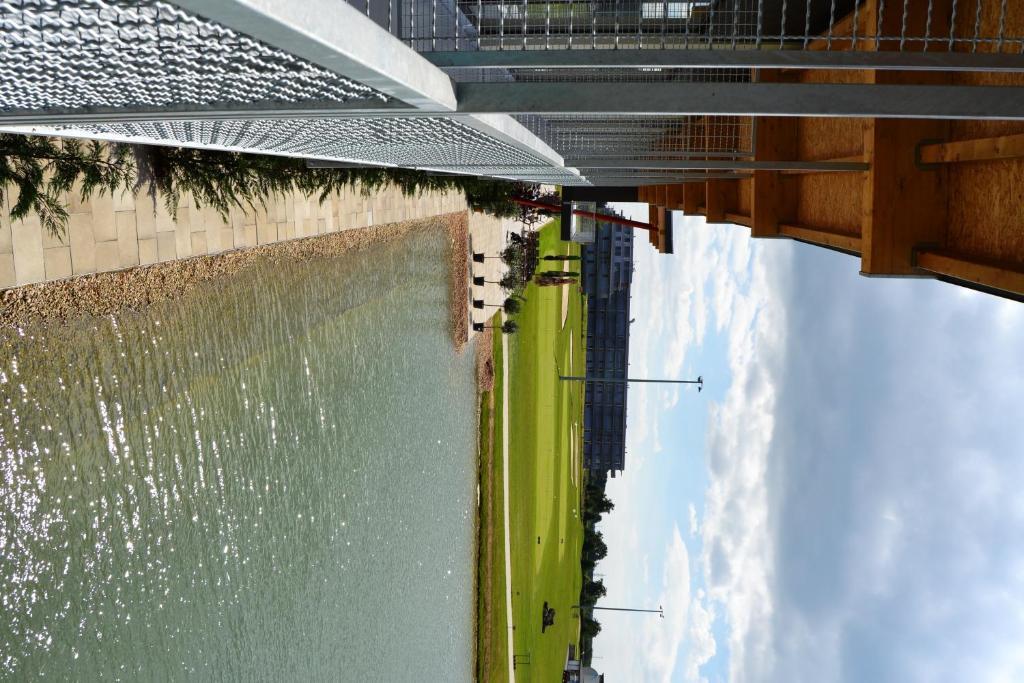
(595, 504)
(521, 256)
(43, 170)
(544, 483)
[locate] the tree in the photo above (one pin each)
(544, 281)
(594, 546)
(568, 257)
(589, 628)
(507, 327)
(44, 169)
(599, 504)
(512, 305)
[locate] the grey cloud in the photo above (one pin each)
(894, 478)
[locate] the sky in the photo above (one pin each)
(843, 500)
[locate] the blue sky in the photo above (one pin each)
(842, 502)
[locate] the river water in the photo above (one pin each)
(272, 478)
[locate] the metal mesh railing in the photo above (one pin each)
(910, 25)
(411, 142)
(597, 75)
(579, 137)
(57, 54)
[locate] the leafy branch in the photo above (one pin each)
(43, 171)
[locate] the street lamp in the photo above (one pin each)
(624, 380)
(660, 611)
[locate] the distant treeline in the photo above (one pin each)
(595, 504)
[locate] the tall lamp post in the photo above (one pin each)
(625, 380)
(660, 611)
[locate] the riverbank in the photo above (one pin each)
(141, 286)
(543, 478)
(289, 451)
(491, 655)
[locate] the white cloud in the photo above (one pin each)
(700, 638)
(737, 555)
(661, 638)
(861, 520)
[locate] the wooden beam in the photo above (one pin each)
(674, 195)
(825, 238)
(661, 195)
(982, 149)
(857, 158)
(1001, 276)
(903, 205)
(771, 199)
(739, 219)
(693, 193)
(715, 200)
(843, 30)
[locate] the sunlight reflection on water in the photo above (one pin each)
(235, 484)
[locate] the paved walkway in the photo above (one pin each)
(115, 232)
(508, 543)
(487, 236)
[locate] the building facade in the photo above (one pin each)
(911, 117)
(607, 273)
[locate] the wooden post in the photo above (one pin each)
(903, 205)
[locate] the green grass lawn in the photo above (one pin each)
(492, 643)
(545, 482)
(545, 477)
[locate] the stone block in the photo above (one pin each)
(57, 262)
(50, 239)
(148, 252)
(145, 218)
(201, 218)
(250, 236)
(182, 240)
(227, 239)
(123, 201)
(164, 221)
(278, 209)
(198, 243)
(266, 232)
(107, 257)
(127, 234)
(212, 239)
(166, 246)
(76, 204)
(7, 276)
(6, 245)
(103, 226)
(27, 240)
(83, 244)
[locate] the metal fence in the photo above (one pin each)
(118, 54)
(417, 142)
(913, 25)
(597, 75)
(580, 137)
(149, 71)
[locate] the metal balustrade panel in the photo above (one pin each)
(423, 142)
(902, 25)
(597, 75)
(119, 54)
(578, 137)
